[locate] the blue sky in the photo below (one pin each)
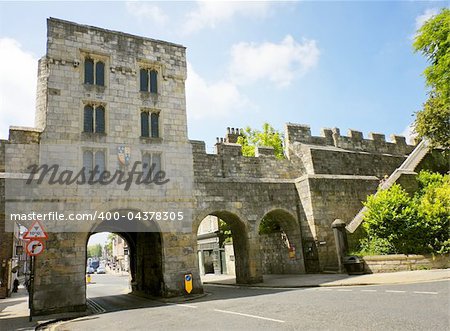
(326, 64)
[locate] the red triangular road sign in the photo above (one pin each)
(35, 231)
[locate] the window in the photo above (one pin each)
(91, 76)
(94, 119)
(151, 161)
(149, 124)
(148, 80)
(92, 159)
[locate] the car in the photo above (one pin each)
(101, 270)
(90, 270)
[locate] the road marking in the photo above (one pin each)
(394, 291)
(248, 315)
(344, 290)
(368, 290)
(423, 292)
(181, 305)
(325, 289)
(96, 307)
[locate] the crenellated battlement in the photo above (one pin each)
(354, 141)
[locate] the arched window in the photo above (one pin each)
(87, 163)
(153, 81)
(100, 162)
(148, 80)
(100, 119)
(155, 125)
(88, 71)
(88, 123)
(100, 73)
(144, 80)
(144, 124)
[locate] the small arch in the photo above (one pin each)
(280, 243)
(240, 243)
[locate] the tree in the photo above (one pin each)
(94, 250)
(395, 222)
(433, 41)
(269, 137)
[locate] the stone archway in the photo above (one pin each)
(280, 243)
(145, 249)
(241, 245)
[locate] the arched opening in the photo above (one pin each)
(222, 246)
(131, 255)
(108, 265)
(280, 243)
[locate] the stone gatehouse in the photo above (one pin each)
(108, 99)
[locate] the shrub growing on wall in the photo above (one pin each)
(395, 222)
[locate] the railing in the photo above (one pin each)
(408, 165)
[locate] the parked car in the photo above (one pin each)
(101, 270)
(90, 270)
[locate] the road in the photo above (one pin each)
(422, 306)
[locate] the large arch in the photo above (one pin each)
(241, 245)
(280, 242)
(145, 249)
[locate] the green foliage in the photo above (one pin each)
(94, 250)
(433, 122)
(269, 225)
(397, 223)
(267, 137)
(433, 41)
(225, 235)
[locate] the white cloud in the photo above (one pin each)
(18, 76)
(208, 14)
(211, 100)
(409, 133)
(148, 12)
(279, 63)
(429, 13)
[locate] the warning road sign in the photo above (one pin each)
(34, 247)
(36, 231)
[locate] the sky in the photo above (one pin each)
(338, 64)
(329, 64)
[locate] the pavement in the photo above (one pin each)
(324, 280)
(14, 310)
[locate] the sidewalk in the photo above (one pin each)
(315, 280)
(14, 313)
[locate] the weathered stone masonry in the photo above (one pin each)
(321, 178)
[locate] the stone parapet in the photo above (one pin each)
(401, 262)
(354, 140)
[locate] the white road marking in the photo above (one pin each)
(181, 305)
(424, 292)
(344, 290)
(368, 290)
(248, 315)
(325, 289)
(394, 291)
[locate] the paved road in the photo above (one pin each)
(423, 306)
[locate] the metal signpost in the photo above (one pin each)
(34, 247)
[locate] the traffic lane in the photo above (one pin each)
(397, 307)
(171, 317)
(393, 307)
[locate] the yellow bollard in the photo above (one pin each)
(88, 278)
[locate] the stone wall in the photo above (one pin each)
(401, 262)
(275, 255)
